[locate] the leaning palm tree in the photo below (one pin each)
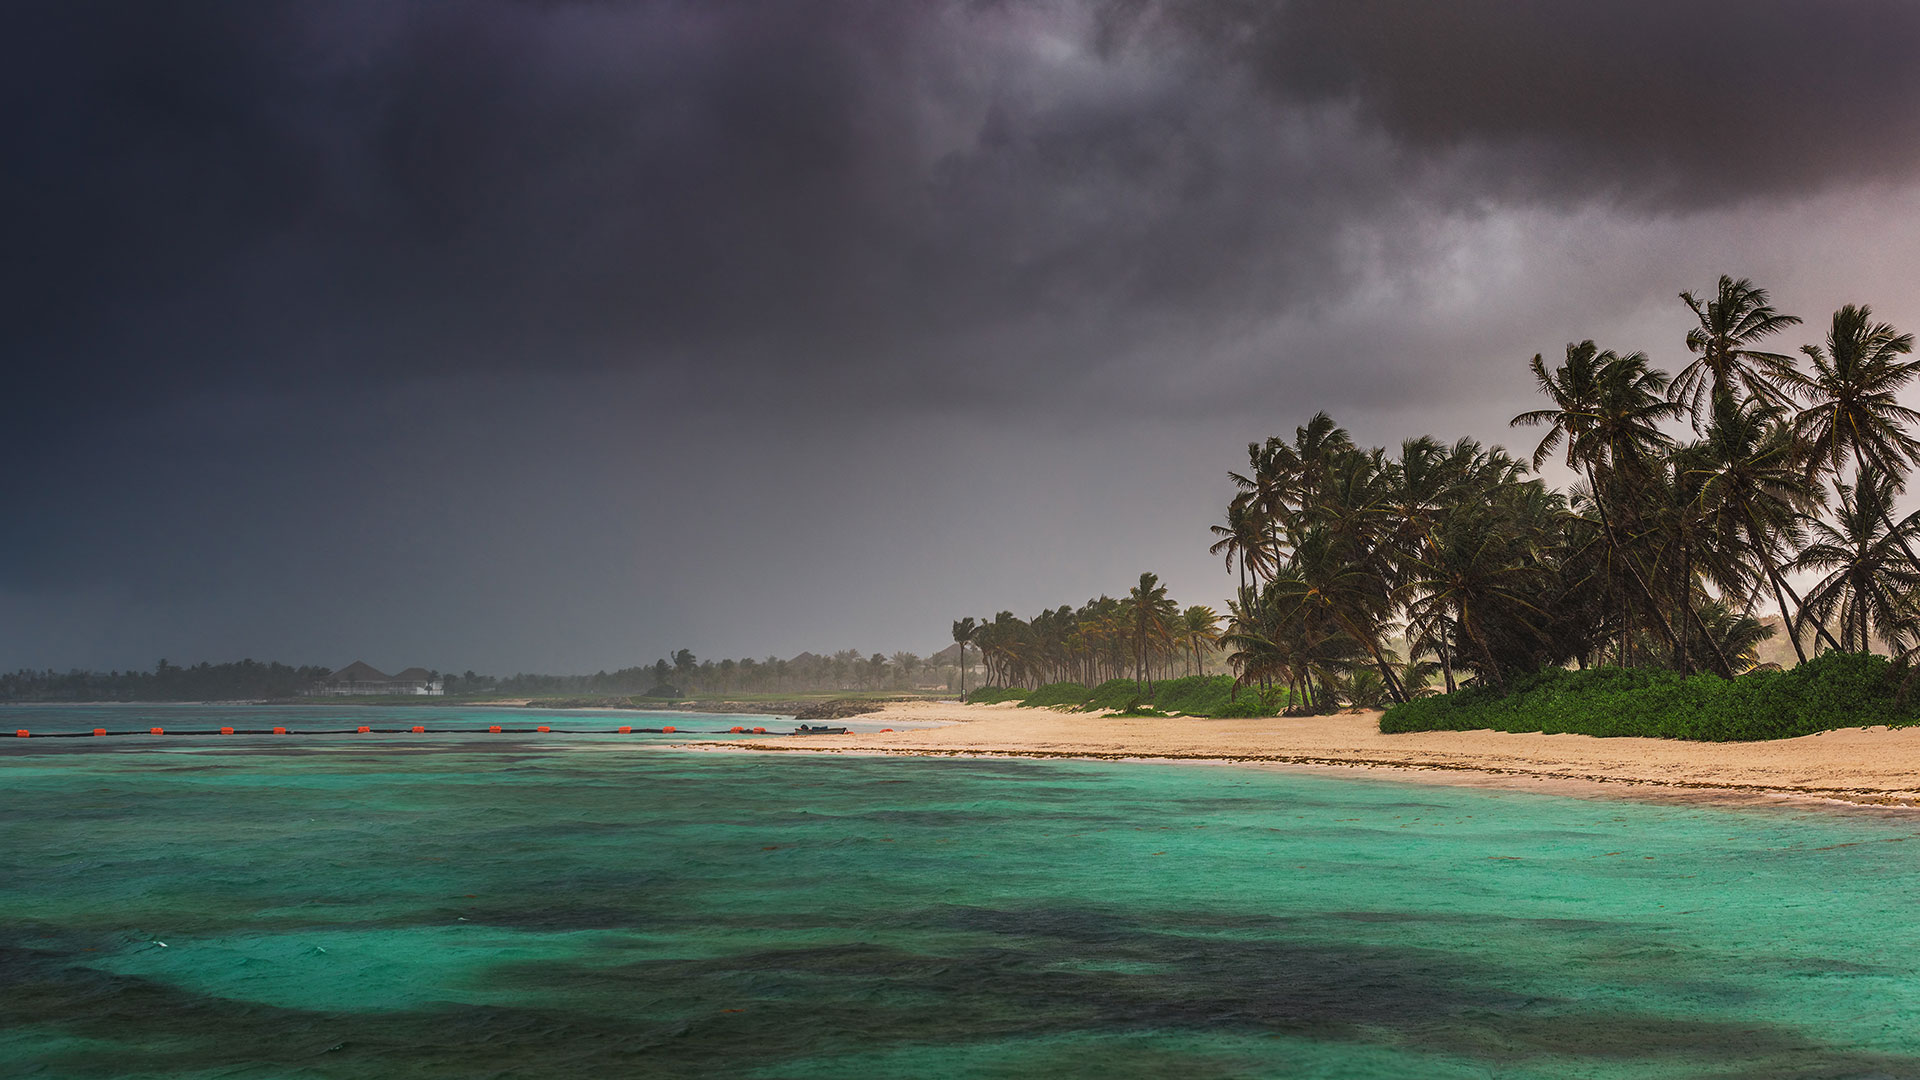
(1243, 538)
(1738, 317)
(963, 633)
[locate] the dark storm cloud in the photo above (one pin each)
(842, 196)
(1647, 101)
(537, 331)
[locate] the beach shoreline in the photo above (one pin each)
(1858, 767)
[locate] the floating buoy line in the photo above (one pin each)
(368, 729)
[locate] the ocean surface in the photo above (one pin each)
(467, 905)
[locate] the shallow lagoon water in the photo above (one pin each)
(489, 906)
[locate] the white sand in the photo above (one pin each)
(1858, 765)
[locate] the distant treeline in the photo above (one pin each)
(241, 680)
(682, 675)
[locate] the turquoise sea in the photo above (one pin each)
(466, 905)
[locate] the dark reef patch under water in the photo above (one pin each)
(539, 911)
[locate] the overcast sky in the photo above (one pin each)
(557, 335)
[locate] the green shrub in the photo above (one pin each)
(1834, 690)
(1193, 695)
(994, 695)
(1054, 695)
(1254, 701)
(1119, 694)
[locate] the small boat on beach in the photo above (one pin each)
(805, 729)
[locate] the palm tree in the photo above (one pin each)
(963, 632)
(1150, 619)
(1735, 633)
(1243, 539)
(1330, 577)
(1870, 581)
(1608, 411)
(1752, 482)
(1475, 575)
(1575, 390)
(1199, 629)
(1739, 316)
(1853, 412)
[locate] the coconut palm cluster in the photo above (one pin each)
(1142, 635)
(1697, 500)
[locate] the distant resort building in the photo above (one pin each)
(360, 678)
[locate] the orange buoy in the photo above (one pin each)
(668, 730)
(494, 730)
(884, 730)
(279, 731)
(99, 731)
(226, 731)
(543, 727)
(626, 731)
(759, 731)
(365, 730)
(735, 730)
(20, 734)
(157, 731)
(418, 730)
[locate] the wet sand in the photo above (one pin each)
(1872, 766)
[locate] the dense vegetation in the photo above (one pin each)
(1698, 499)
(1837, 689)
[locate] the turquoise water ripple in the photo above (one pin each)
(513, 907)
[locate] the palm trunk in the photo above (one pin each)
(1786, 620)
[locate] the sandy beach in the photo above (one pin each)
(1873, 766)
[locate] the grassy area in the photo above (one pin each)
(1835, 690)
(1194, 695)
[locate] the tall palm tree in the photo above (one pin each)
(1608, 410)
(1752, 482)
(1852, 409)
(1853, 412)
(1725, 360)
(1150, 619)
